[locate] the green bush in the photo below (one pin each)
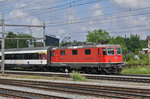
(77, 77)
(136, 70)
(129, 57)
(143, 59)
(131, 60)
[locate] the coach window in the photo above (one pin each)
(87, 51)
(17, 56)
(110, 51)
(74, 52)
(62, 52)
(26, 56)
(35, 55)
(13, 56)
(7, 56)
(104, 51)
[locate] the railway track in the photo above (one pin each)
(123, 77)
(25, 95)
(82, 89)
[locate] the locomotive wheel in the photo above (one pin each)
(117, 71)
(87, 70)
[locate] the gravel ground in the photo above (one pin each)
(45, 92)
(5, 98)
(89, 82)
(95, 82)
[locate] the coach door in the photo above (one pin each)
(40, 57)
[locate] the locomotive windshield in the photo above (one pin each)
(110, 51)
(119, 52)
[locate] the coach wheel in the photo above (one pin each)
(46, 68)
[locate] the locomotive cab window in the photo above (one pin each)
(104, 51)
(119, 52)
(62, 52)
(87, 51)
(74, 52)
(110, 51)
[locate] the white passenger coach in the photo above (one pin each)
(27, 57)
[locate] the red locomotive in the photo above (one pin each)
(88, 58)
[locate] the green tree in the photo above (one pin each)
(13, 43)
(121, 41)
(98, 36)
(147, 38)
(10, 43)
(134, 43)
(22, 43)
(143, 43)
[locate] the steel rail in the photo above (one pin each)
(89, 90)
(25, 95)
(125, 78)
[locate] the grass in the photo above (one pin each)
(33, 77)
(55, 77)
(77, 77)
(136, 70)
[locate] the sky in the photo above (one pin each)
(74, 18)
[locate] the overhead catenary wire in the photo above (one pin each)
(117, 17)
(36, 4)
(92, 19)
(42, 12)
(105, 15)
(37, 13)
(114, 30)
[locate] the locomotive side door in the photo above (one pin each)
(100, 55)
(57, 55)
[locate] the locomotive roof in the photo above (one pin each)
(27, 49)
(87, 46)
(69, 47)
